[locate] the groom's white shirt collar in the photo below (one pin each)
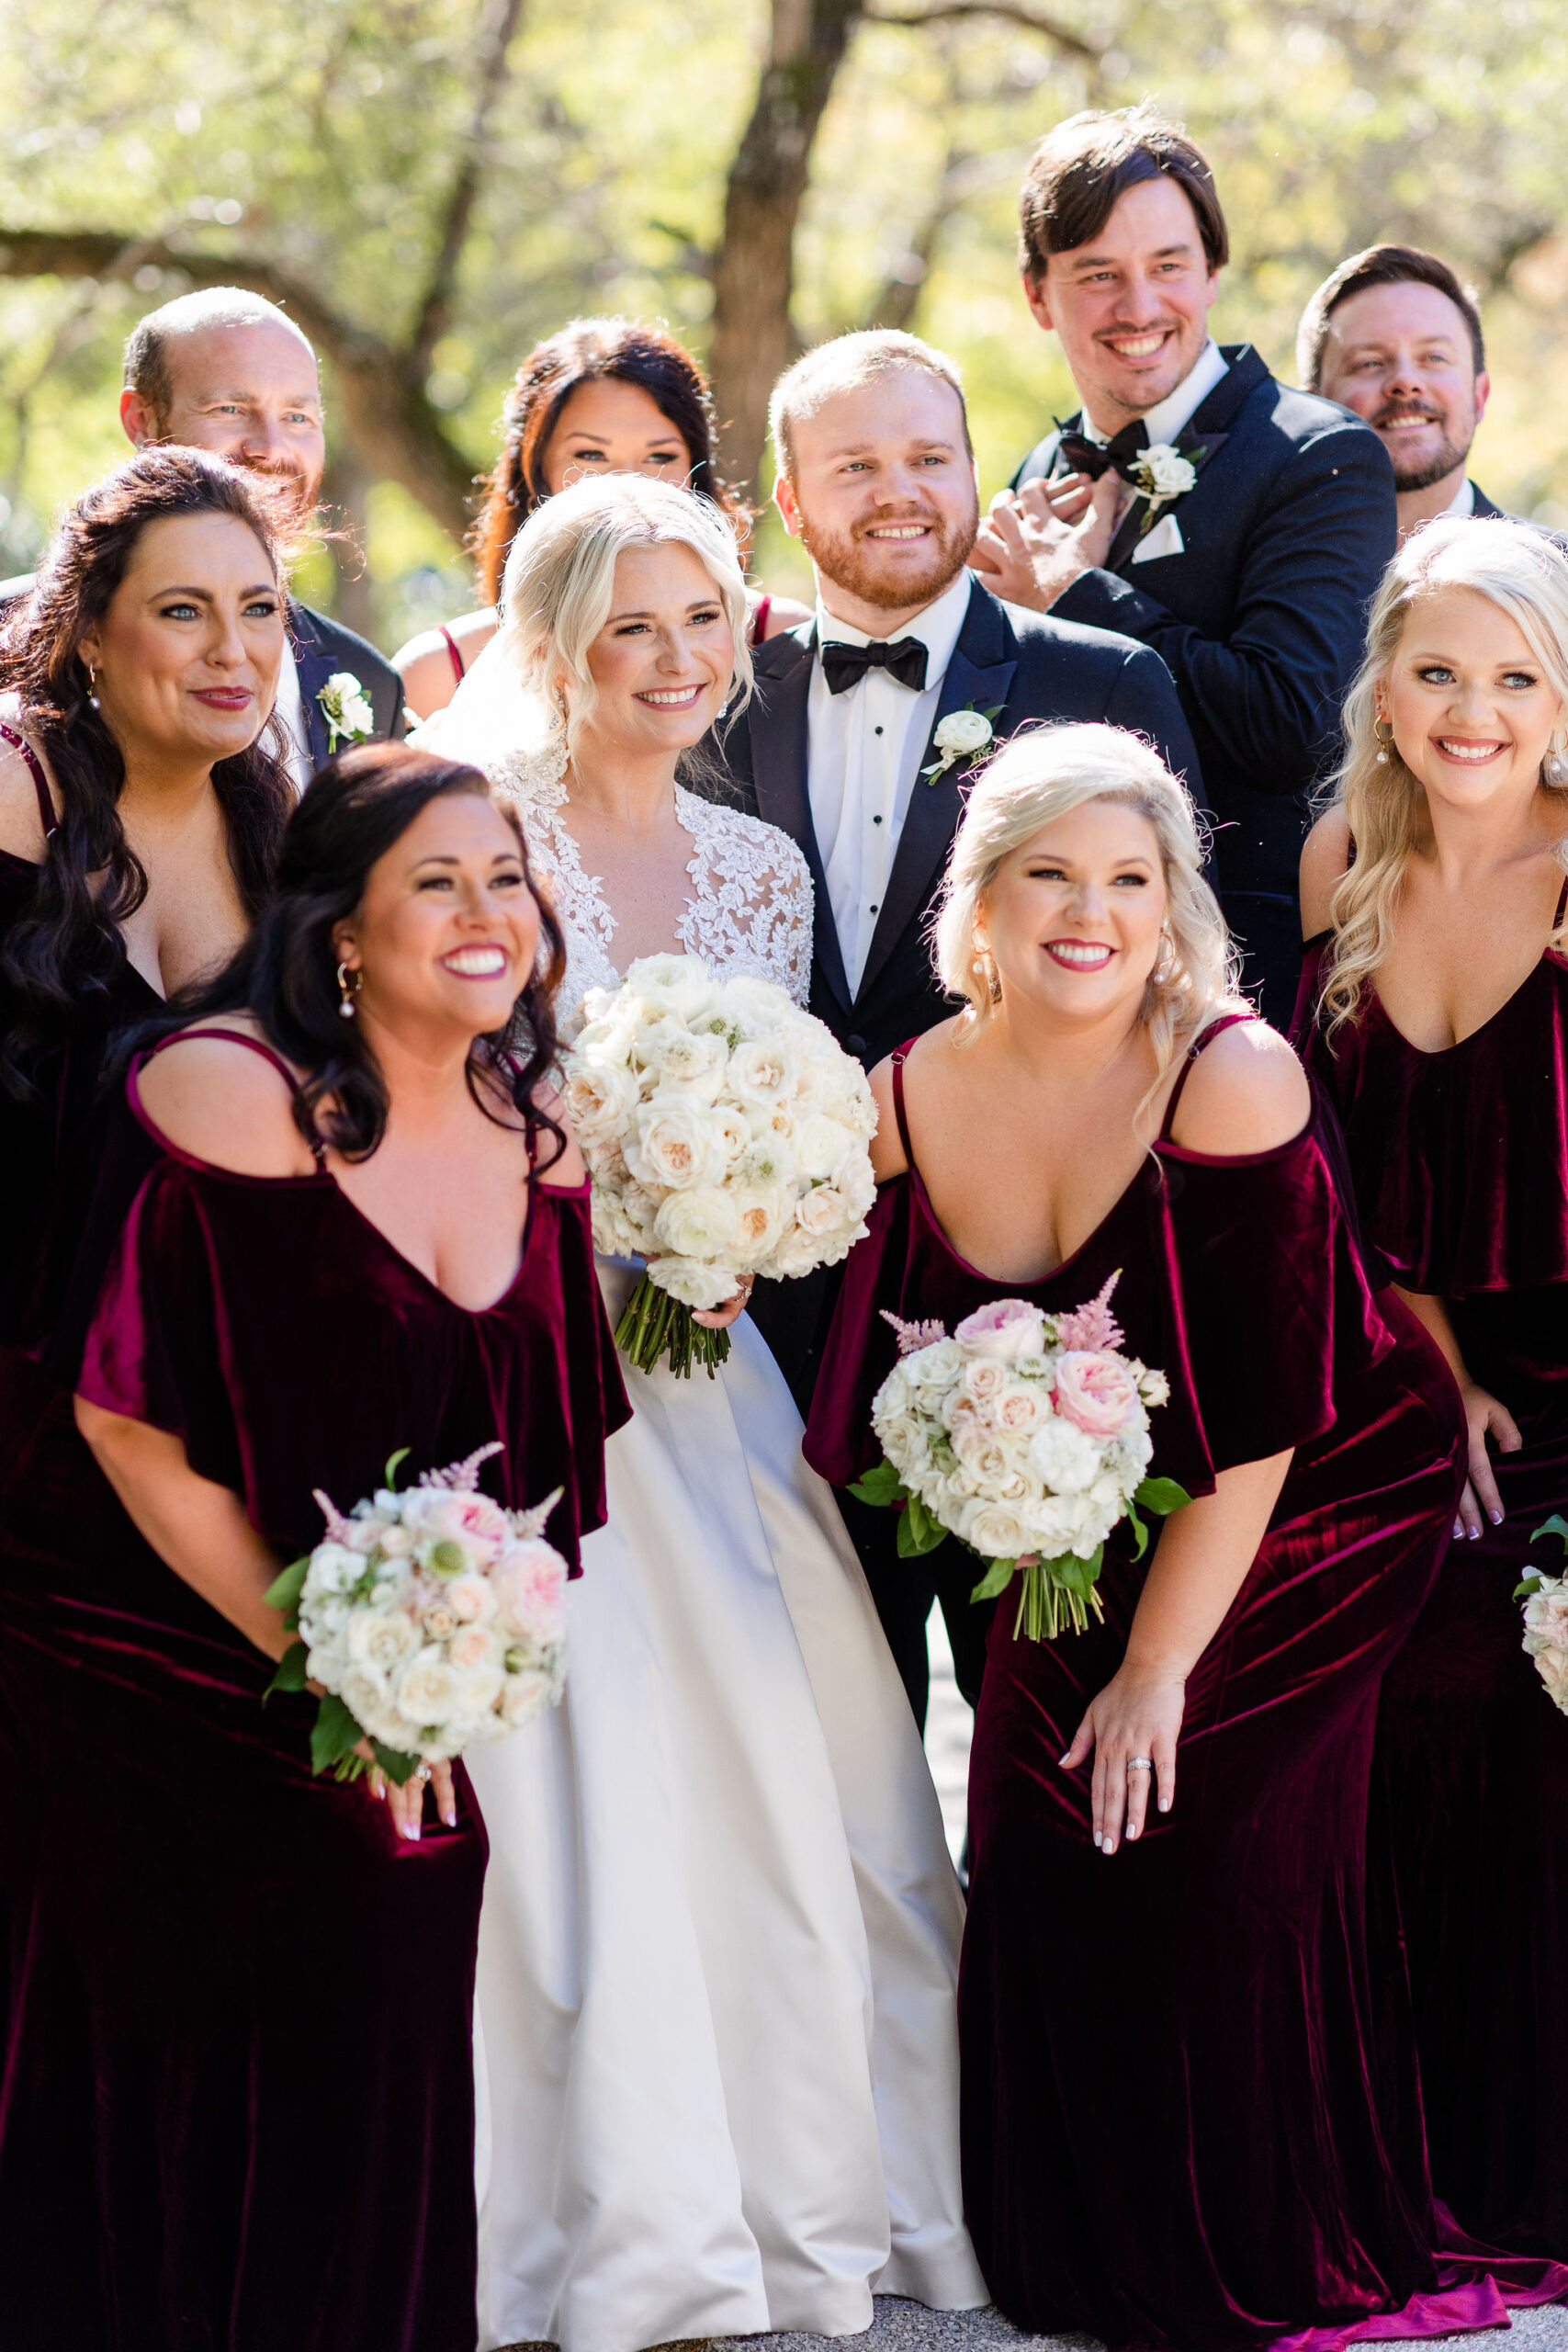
(1166, 419)
(938, 626)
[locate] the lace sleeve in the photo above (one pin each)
(752, 910)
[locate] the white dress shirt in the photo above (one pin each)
(289, 712)
(867, 747)
(1463, 499)
(1166, 419)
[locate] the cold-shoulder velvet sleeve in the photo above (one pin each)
(1240, 1279)
(272, 1329)
(1459, 1158)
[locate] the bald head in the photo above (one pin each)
(222, 370)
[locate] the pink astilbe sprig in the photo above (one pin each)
(1093, 1326)
(463, 1478)
(339, 1528)
(911, 1336)
(532, 1522)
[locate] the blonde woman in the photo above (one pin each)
(720, 1934)
(1177, 2129)
(1435, 1005)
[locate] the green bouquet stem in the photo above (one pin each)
(1045, 1606)
(655, 1326)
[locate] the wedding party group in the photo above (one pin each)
(563, 1191)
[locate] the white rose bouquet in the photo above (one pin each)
(726, 1133)
(432, 1619)
(1027, 1436)
(1546, 1619)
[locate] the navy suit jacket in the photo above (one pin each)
(1035, 666)
(323, 647)
(1262, 620)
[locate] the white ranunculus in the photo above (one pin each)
(820, 1212)
(700, 1223)
(761, 1071)
(527, 1695)
(695, 1282)
(364, 1692)
(822, 1145)
(607, 1043)
(381, 1638)
(676, 1145)
(427, 1690)
(962, 732)
(680, 981)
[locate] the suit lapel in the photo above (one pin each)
(314, 665)
(978, 678)
(780, 759)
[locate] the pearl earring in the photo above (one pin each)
(91, 682)
(347, 993)
(1383, 730)
(1554, 767)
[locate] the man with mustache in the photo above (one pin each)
(1395, 336)
(222, 370)
(1237, 527)
(847, 743)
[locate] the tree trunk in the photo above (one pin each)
(753, 339)
(343, 492)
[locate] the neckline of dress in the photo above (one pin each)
(1547, 960)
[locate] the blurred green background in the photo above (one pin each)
(596, 141)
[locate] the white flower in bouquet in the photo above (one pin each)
(726, 1133)
(433, 1620)
(1027, 1436)
(1546, 1620)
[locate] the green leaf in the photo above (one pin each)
(283, 1590)
(1073, 1574)
(290, 1674)
(334, 1734)
(1140, 1533)
(394, 1763)
(918, 1532)
(1555, 1525)
(995, 1580)
(1530, 1584)
(881, 1487)
(394, 1462)
(1161, 1496)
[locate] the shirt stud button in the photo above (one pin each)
(876, 821)
(876, 731)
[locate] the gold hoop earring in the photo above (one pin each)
(1383, 730)
(985, 967)
(347, 993)
(1165, 962)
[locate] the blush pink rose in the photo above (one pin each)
(1096, 1393)
(530, 1585)
(1006, 1330)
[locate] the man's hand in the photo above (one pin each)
(1036, 541)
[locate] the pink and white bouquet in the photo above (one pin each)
(432, 1619)
(1546, 1619)
(1027, 1436)
(726, 1133)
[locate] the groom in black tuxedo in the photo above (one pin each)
(842, 745)
(1237, 527)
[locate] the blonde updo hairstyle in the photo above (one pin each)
(1525, 575)
(559, 581)
(1043, 773)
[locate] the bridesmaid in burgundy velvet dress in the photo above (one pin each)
(1186, 2120)
(1434, 1009)
(239, 2110)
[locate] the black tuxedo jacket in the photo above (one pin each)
(323, 647)
(1035, 666)
(1483, 504)
(1262, 620)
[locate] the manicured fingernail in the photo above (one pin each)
(1165, 1804)
(1062, 1761)
(1458, 1527)
(1132, 1829)
(1497, 1517)
(450, 1817)
(1096, 1836)
(1475, 1534)
(1109, 1846)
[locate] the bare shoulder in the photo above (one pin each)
(1248, 1092)
(570, 1168)
(783, 613)
(929, 1059)
(1325, 854)
(426, 665)
(220, 1103)
(21, 821)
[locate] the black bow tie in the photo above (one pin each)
(1082, 456)
(846, 665)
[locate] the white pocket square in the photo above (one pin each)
(1164, 538)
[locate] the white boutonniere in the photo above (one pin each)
(1161, 473)
(345, 706)
(960, 736)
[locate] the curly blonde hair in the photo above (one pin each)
(559, 581)
(1045, 772)
(1521, 572)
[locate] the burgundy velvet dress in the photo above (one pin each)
(1461, 1164)
(237, 2112)
(1186, 2119)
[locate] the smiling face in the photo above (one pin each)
(1401, 357)
(248, 392)
(188, 653)
(1072, 919)
(664, 660)
(444, 935)
(880, 492)
(608, 427)
(1473, 712)
(1132, 306)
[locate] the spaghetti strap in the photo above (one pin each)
(453, 648)
(1204, 1037)
(41, 785)
(899, 1061)
(1562, 905)
(760, 620)
(254, 1046)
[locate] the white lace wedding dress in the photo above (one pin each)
(721, 1933)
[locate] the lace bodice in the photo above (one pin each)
(750, 910)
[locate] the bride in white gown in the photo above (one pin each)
(717, 1955)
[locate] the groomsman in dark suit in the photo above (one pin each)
(1237, 527)
(844, 745)
(221, 370)
(1395, 336)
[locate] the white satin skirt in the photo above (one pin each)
(718, 2048)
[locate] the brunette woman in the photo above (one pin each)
(241, 2106)
(1435, 1008)
(1186, 2120)
(602, 395)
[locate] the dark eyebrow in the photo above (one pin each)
(204, 595)
(1097, 261)
(638, 613)
(444, 857)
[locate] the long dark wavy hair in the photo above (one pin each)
(63, 959)
(284, 975)
(589, 351)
